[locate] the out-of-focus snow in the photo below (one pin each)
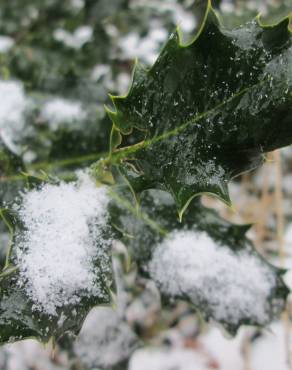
(6, 43)
(29, 354)
(269, 352)
(59, 111)
(146, 49)
(12, 110)
(105, 340)
(76, 39)
(168, 359)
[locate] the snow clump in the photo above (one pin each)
(61, 242)
(231, 286)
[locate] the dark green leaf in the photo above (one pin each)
(207, 111)
(20, 320)
(10, 163)
(20, 317)
(143, 229)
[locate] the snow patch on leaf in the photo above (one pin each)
(62, 253)
(232, 287)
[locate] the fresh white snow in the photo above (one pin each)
(232, 286)
(62, 239)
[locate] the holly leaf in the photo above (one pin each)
(206, 111)
(19, 319)
(11, 166)
(10, 163)
(144, 229)
(21, 316)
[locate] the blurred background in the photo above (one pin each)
(58, 62)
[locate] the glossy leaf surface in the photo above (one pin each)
(206, 111)
(143, 229)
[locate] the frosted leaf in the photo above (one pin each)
(232, 287)
(105, 340)
(205, 116)
(62, 253)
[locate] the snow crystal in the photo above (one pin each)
(58, 111)
(6, 43)
(105, 340)
(13, 106)
(74, 40)
(233, 287)
(63, 238)
(165, 359)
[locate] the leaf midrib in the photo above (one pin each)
(122, 153)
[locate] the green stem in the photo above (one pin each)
(55, 164)
(137, 212)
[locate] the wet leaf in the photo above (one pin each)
(206, 111)
(143, 229)
(20, 316)
(19, 319)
